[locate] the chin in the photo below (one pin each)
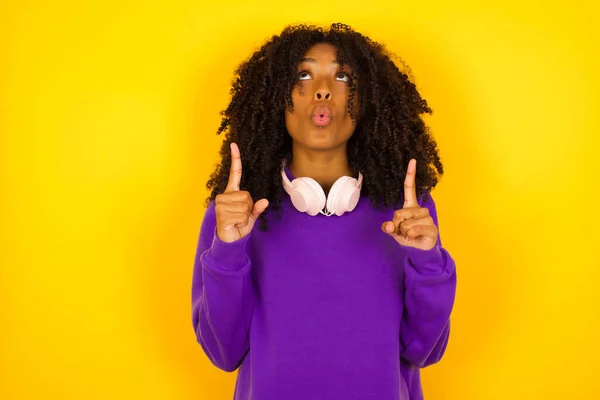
(322, 143)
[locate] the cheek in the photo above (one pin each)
(293, 118)
(290, 121)
(343, 94)
(301, 92)
(300, 101)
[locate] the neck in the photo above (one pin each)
(325, 167)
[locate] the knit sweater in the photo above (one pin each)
(322, 307)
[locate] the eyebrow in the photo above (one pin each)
(312, 60)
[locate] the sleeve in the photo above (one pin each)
(222, 296)
(430, 288)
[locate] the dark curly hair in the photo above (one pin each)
(389, 129)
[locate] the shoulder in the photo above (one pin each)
(426, 201)
(210, 211)
(209, 220)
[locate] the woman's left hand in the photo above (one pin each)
(412, 225)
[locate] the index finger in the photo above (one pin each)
(235, 173)
(410, 193)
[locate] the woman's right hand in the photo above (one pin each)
(236, 212)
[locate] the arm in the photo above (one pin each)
(222, 296)
(430, 281)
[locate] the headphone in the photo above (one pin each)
(308, 196)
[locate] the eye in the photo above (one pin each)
(303, 76)
(342, 76)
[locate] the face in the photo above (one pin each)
(320, 119)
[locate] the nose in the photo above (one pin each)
(323, 93)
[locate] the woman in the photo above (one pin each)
(344, 290)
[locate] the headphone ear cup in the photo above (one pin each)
(308, 196)
(343, 196)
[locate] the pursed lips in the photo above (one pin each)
(321, 116)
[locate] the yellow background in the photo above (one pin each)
(107, 114)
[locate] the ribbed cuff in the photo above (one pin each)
(228, 256)
(427, 261)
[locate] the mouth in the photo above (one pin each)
(321, 116)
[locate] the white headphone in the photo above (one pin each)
(308, 196)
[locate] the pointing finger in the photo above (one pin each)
(410, 193)
(235, 174)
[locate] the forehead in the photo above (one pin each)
(322, 49)
(323, 52)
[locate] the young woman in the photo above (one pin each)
(342, 290)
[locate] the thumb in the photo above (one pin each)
(388, 227)
(259, 207)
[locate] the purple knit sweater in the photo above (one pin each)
(322, 307)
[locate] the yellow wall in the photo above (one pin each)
(107, 114)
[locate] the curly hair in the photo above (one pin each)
(389, 130)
